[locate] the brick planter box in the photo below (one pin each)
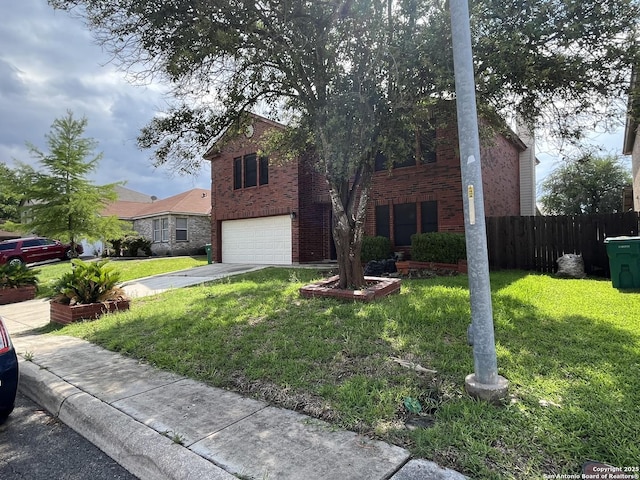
(65, 314)
(377, 287)
(19, 294)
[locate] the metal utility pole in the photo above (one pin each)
(485, 383)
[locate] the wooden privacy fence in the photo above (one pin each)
(535, 243)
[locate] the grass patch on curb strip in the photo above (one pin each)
(570, 349)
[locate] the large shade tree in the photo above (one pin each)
(586, 184)
(354, 77)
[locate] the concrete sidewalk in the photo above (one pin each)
(160, 425)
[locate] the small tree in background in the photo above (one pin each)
(13, 184)
(585, 185)
(62, 202)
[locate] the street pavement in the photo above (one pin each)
(36, 446)
(159, 425)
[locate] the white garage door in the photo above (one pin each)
(264, 240)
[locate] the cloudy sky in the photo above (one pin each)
(49, 64)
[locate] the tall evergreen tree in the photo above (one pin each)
(62, 202)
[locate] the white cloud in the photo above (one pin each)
(48, 65)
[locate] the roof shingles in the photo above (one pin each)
(192, 202)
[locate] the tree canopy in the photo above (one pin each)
(10, 197)
(586, 185)
(60, 201)
(353, 77)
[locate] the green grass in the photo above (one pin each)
(129, 269)
(570, 349)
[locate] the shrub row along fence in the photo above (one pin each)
(536, 243)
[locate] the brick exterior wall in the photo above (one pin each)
(501, 178)
(294, 188)
(441, 182)
(198, 234)
(279, 197)
(314, 218)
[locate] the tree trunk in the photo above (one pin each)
(348, 245)
(349, 203)
(349, 181)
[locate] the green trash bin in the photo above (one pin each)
(624, 261)
(207, 248)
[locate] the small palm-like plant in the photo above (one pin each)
(88, 282)
(14, 276)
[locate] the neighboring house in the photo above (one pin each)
(632, 142)
(178, 225)
(269, 213)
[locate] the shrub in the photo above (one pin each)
(132, 243)
(129, 246)
(441, 247)
(375, 248)
(13, 276)
(200, 251)
(115, 247)
(88, 282)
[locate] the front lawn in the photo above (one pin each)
(570, 349)
(129, 269)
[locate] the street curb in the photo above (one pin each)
(46, 389)
(140, 449)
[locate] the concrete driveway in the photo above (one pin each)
(193, 276)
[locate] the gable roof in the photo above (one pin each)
(214, 150)
(192, 202)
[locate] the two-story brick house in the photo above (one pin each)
(269, 213)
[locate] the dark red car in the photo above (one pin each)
(35, 249)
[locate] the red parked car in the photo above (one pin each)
(35, 249)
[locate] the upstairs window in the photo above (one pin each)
(423, 150)
(250, 171)
(264, 170)
(237, 173)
